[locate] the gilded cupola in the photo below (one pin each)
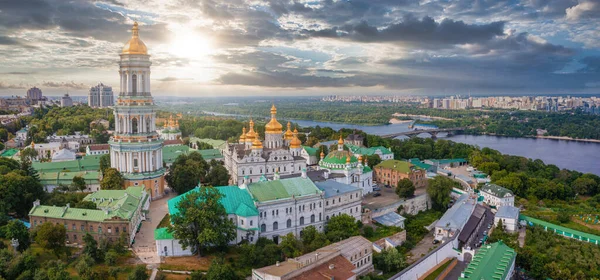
(135, 44)
(288, 133)
(273, 127)
(295, 143)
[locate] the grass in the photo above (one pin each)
(438, 271)
(187, 263)
(381, 231)
(165, 222)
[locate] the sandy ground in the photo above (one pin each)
(422, 248)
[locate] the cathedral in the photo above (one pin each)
(171, 129)
(343, 167)
(251, 159)
(135, 147)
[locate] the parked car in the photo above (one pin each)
(485, 233)
(376, 194)
(435, 241)
(489, 226)
(376, 189)
(388, 186)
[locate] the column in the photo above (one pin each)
(121, 162)
(112, 159)
(130, 160)
(148, 82)
(147, 160)
(128, 81)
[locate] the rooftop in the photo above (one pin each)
(492, 261)
(114, 203)
(86, 163)
(170, 153)
(235, 200)
(456, 217)
(162, 234)
(418, 163)
(336, 268)
(508, 212)
(496, 190)
(311, 151)
(567, 231)
(390, 219)
(99, 147)
(282, 189)
(56, 178)
(398, 165)
(368, 151)
(210, 154)
(333, 188)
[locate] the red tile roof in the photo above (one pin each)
(99, 147)
(173, 142)
(342, 269)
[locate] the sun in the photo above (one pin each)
(190, 44)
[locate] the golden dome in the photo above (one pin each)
(295, 143)
(135, 44)
(273, 127)
(341, 141)
(348, 159)
(322, 154)
(360, 158)
(288, 133)
(243, 136)
(256, 144)
(251, 135)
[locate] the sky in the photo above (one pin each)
(297, 47)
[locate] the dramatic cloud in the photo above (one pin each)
(4, 85)
(69, 85)
(173, 79)
(586, 9)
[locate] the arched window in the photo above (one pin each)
(275, 226)
(263, 228)
(134, 84)
(147, 124)
(312, 218)
(301, 220)
(134, 125)
(289, 223)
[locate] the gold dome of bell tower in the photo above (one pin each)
(135, 44)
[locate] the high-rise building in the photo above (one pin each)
(136, 148)
(66, 101)
(100, 96)
(34, 93)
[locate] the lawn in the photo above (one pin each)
(165, 222)
(187, 263)
(381, 231)
(438, 271)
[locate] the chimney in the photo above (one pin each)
(331, 266)
(36, 203)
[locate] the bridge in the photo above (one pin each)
(432, 132)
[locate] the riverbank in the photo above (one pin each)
(568, 138)
(420, 116)
(397, 121)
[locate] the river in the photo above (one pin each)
(574, 155)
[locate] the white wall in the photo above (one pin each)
(422, 266)
(509, 224)
(173, 248)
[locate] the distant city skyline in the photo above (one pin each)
(359, 47)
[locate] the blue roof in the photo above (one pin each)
(390, 219)
(329, 143)
(456, 217)
(333, 188)
(508, 212)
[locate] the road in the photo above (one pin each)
(145, 247)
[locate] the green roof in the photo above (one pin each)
(114, 203)
(368, 151)
(367, 169)
(162, 234)
(492, 261)
(9, 153)
(496, 190)
(282, 189)
(86, 163)
(65, 178)
(562, 230)
(398, 165)
(418, 163)
(310, 150)
(447, 161)
(339, 157)
(170, 153)
(235, 200)
(217, 144)
(210, 154)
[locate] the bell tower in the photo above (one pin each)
(136, 148)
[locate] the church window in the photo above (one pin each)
(320, 216)
(289, 223)
(287, 210)
(251, 222)
(263, 228)
(301, 220)
(250, 170)
(272, 212)
(277, 212)
(312, 218)
(134, 125)
(134, 84)
(275, 226)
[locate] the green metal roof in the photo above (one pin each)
(447, 161)
(216, 143)
(310, 150)
(210, 154)
(339, 157)
(563, 230)
(492, 261)
(86, 163)
(9, 153)
(65, 178)
(398, 165)
(418, 163)
(114, 203)
(496, 190)
(162, 234)
(368, 151)
(282, 189)
(170, 153)
(235, 200)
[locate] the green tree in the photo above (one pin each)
(18, 192)
(110, 258)
(312, 239)
(373, 160)
(389, 260)
(202, 221)
(186, 172)
(220, 270)
(112, 180)
(28, 154)
(91, 248)
(104, 163)
(217, 176)
(56, 270)
(405, 188)
(341, 227)
(563, 217)
(439, 189)
(138, 273)
(15, 229)
(585, 186)
(51, 237)
(368, 232)
(79, 183)
(85, 267)
(290, 246)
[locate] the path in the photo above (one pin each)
(522, 233)
(145, 247)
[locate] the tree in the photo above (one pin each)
(18, 192)
(220, 270)
(290, 246)
(374, 160)
(79, 183)
(138, 273)
(217, 176)
(563, 217)
(57, 270)
(368, 232)
(312, 239)
(104, 163)
(341, 227)
(439, 189)
(15, 229)
(405, 188)
(51, 237)
(112, 180)
(28, 154)
(202, 221)
(389, 260)
(186, 172)
(110, 258)
(91, 248)
(85, 204)
(85, 267)
(585, 186)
